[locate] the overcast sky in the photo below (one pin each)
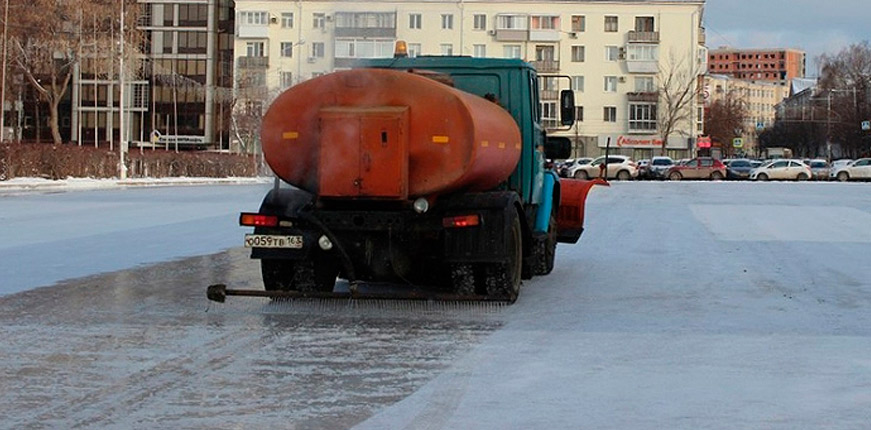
(814, 26)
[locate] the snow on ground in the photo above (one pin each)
(685, 305)
(49, 235)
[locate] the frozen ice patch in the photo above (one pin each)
(760, 223)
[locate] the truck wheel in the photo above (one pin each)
(309, 276)
(549, 248)
(503, 279)
(462, 279)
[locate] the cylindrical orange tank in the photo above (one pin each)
(385, 134)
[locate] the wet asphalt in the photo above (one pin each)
(144, 348)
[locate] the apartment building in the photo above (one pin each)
(177, 94)
(760, 99)
(780, 66)
(611, 53)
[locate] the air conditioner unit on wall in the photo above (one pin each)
(573, 35)
(492, 32)
(621, 79)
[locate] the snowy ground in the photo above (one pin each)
(50, 234)
(685, 305)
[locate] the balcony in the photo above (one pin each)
(643, 36)
(546, 66)
(549, 95)
(253, 62)
(702, 36)
(651, 97)
(512, 35)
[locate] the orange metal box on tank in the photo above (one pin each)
(384, 134)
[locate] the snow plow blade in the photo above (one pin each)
(219, 292)
(570, 217)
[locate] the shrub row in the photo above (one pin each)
(62, 161)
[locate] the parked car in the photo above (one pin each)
(619, 166)
(572, 167)
(697, 168)
(658, 167)
(738, 168)
(782, 170)
(857, 170)
(643, 165)
(837, 164)
(819, 169)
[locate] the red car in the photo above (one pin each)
(697, 168)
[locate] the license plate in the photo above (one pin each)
(272, 241)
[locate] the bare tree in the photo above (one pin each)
(845, 84)
(724, 119)
(679, 88)
(47, 38)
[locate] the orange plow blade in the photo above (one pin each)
(573, 197)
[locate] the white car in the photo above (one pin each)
(573, 167)
(620, 167)
(782, 170)
(857, 170)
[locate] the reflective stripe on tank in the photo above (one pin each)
(440, 139)
(289, 135)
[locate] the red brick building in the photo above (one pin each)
(765, 65)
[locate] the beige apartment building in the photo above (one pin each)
(760, 98)
(612, 51)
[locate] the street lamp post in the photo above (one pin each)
(122, 129)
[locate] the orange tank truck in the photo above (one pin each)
(423, 174)
(388, 134)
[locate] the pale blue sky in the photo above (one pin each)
(814, 26)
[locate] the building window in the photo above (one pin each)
(611, 25)
(286, 79)
(446, 49)
(644, 24)
(480, 22)
(480, 51)
(644, 84)
(254, 49)
(549, 114)
(612, 53)
(318, 20)
(544, 23)
(413, 49)
(610, 84)
(414, 21)
(365, 48)
(318, 49)
(447, 21)
(641, 52)
(579, 23)
(511, 51)
(287, 49)
(642, 117)
(578, 53)
(579, 113)
(578, 83)
(287, 20)
(253, 18)
(365, 20)
(511, 22)
(610, 114)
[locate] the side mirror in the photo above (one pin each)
(557, 148)
(567, 107)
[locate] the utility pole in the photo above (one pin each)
(3, 77)
(122, 127)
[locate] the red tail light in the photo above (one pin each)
(461, 221)
(258, 220)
